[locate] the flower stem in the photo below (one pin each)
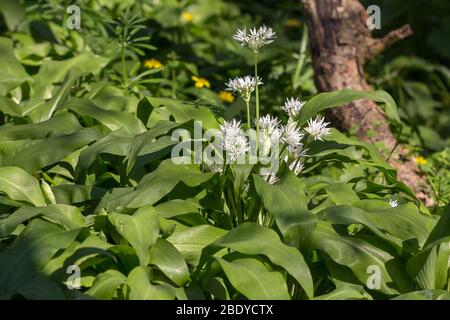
(247, 102)
(257, 101)
(301, 57)
(124, 67)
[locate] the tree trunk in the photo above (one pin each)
(341, 43)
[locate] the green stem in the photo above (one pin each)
(247, 102)
(301, 57)
(257, 102)
(124, 67)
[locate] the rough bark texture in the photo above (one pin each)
(341, 43)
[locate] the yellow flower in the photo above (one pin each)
(421, 160)
(152, 64)
(187, 16)
(201, 82)
(293, 23)
(226, 96)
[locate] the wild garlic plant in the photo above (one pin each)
(275, 146)
(255, 39)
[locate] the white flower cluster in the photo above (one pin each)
(292, 137)
(292, 107)
(270, 134)
(269, 124)
(234, 141)
(289, 135)
(317, 128)
(255, 38)
(243, 86)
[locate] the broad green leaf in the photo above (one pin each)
(9, 107)
(326, 100)
(359, 255)
(51, 150)
(287, 202)
(441, 229)
(19, 185)
(139, 141)
(53, 71)
(254, 239)
(430, 267)
(116, 143)
(374, 154)
(38, 111)
(403, 222)
(12, 73)
(183, 112)
(341, 193)
(70, 217)
(73, 193)
(193, 240)
(156, 185)
(140, 229)
(345, 291)
(106, 284)
(65, 123)
(141, 288)
(167, 258)
(14, 14)
(177, 207)
(251, 278)
(29, 253)
(112, 119)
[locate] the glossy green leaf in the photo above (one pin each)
(167, 258)
(328, 100)
(29, 253)
(140, 229)
(19, 185)
(142, 289)
(106, 285)
(251, 278)
(253, 239)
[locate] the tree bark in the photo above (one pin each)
(341, 43)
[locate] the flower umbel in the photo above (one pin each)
(234, 141)
(243, 86)
(201, 82)
(292, 137)
(317, 128)
(269, 123)
(226, 96)
(153, 64)
(255, 38)
(292, 107)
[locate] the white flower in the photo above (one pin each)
(292, 107)
(269, 123)
(243, 86)
(317, 128)
(393, 203)
(256, 38)
(272, 179)
(234, 141)
(296, 166)
(292, 137)
(270, 135)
